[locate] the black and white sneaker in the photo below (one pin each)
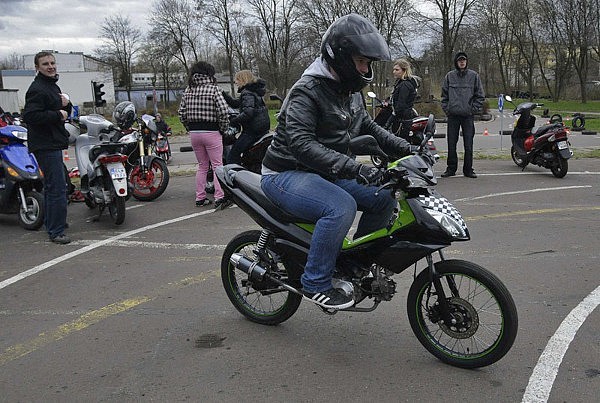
(330, 299)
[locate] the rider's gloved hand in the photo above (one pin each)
(414, 149)
(367, 175)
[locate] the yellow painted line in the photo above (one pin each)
(91, 318)
(531, 212)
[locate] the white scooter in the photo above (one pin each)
(100, 160)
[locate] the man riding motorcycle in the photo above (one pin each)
(308, 169)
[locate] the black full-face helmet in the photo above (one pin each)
(124, 114)
(353, 35)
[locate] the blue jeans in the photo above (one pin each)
(332, 206)
(455, 123)
(55, 191)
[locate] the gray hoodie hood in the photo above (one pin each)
(319, 68)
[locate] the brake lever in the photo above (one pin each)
(382, 187)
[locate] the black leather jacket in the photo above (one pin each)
(253, 116)
(45, 127)
(315, 125)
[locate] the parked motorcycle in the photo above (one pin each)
(101, 165)
(161, 147)
(547, 147)
(20, 179)
(147, 173)
(415, 135)
(459, 311)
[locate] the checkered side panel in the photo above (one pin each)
(442, 205)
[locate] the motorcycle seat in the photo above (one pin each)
(546, 128)
(249, 182)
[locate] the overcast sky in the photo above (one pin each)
(28, 26)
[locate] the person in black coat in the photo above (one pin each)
(403, 98)
(253, 116)
(46, 109)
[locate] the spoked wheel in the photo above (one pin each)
(520, 161)
(560, 169)
(117, 209)
(484, 315)
(32, 217)
(152, 183)
(264, 302)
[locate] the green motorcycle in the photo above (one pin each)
(459, 311)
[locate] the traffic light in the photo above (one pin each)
(98, 101)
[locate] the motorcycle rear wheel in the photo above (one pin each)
(117, 210)
(560, 170)
(150, 185)
(33, 217)
(520, 161)
(265, 302)
(486, 315)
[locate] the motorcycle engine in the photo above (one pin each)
(382, 287)
(346, 286)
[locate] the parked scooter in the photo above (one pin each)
(20, 179)
(148, 174)
(101, 164)
(161, 147)
(459, 311)
(415, 135)
(547, 147)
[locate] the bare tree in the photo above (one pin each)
(122, 43)
(221, 14)
(277, 20)
(14, 61)
(174, 23)
(450, 18)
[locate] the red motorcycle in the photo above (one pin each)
(161, 146)
(548, 146)
(415, 135)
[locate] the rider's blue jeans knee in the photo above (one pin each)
(332, 207)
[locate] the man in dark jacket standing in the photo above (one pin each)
(462, 97)
(45, 112)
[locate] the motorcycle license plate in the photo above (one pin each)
(117, 171)
(562, 145)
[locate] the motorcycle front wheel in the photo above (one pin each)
(560, 169)
(32, 217)
(517, 159)
(117, 210)
(263, 302)
(484, 315)
(151, 184)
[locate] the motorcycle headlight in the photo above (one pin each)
(20, 135)
(450, 225)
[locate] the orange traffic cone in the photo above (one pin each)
(65, 155)
(485, 132)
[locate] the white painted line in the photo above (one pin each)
(542, 379)
(85, 249)
(522, 191)
(154, 245)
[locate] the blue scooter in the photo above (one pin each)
(20, 179)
